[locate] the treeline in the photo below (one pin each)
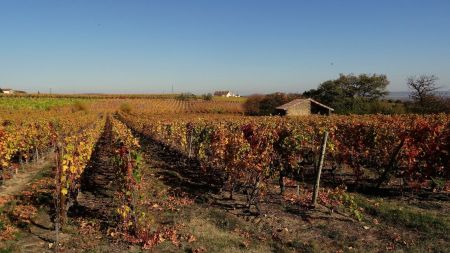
(360, 94)
(191, 96)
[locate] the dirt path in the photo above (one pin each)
(40, 231)
(25, 176)
(99, 183)
(178, 171)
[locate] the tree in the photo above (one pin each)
(266, 104)
(251, 105)
(351, 93)
(422, 87)
(423, 93)
(270, 102)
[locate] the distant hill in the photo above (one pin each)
(404, 95)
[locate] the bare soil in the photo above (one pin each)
(25, 175)
(99, 184)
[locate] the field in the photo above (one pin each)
(137, 173)
(13, 103)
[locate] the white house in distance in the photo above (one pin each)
(6, 91)
(11, 91)
(225, 93)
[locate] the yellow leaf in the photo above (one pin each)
(64, 191)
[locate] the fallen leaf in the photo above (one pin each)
(191, 238)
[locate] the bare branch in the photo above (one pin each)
(422, 87)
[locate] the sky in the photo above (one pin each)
(199, 46)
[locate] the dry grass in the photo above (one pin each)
(216, 239)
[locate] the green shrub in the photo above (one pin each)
(126, 108)
(186, 96)
(207, 97)
(79, 106)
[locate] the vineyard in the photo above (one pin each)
(166, 175)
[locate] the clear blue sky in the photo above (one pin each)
(200, 46)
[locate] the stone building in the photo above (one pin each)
(304, 106)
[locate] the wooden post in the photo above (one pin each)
(58, 157)
(190, 144)
(281, 183)
(20, 162)
(319, 169)
(36, 153)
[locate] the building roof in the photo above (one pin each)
(5, 89)
(300, 100)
